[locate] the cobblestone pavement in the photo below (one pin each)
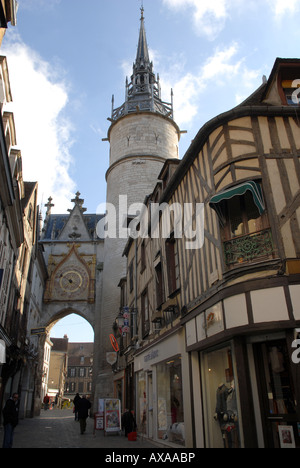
(58, 429)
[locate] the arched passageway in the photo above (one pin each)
(67, 349)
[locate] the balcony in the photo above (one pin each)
(243, 249)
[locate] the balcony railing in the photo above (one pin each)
(247, 248)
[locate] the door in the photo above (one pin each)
(277, 395)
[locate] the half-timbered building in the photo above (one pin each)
(213, 282)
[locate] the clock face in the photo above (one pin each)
(71, 281)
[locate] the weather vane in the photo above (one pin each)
(142, 7)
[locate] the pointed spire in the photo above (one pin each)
(142, 56)
(142, 91)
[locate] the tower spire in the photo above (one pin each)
(143, 91)
(142, 56)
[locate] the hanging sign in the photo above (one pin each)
(111, 358)
(114, 343)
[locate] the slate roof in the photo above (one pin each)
(57, 222)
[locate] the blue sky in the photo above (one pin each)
(67, 57)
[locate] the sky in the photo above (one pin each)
(67, 58)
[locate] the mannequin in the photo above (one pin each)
(227, 414)
(221, 405)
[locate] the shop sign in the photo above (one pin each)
(152, 355)
(111, 358)
(38, 331)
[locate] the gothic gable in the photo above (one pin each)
(75, 228)
(71, 277)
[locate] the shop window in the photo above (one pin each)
(277, 393)
(170, 413)
(141, 402)
(221, 407)
(245, 228)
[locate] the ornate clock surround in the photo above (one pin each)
(71, 277)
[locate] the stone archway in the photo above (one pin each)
(52, 313)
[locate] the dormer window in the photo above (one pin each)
(291, 89)
(289, 84)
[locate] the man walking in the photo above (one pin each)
(10, 420)
(83, 412)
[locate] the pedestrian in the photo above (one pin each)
(46, 402)
(83, 412)
(76, 405)
(10, 420)
(128, 422)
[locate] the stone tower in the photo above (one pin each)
(142, 136)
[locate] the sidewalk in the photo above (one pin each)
(58, 429)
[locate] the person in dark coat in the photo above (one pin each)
(76, 405)
(84, 406)
(128, 422)
(10, 420)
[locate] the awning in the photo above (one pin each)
(239, 190)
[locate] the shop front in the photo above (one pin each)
(221, 397)
(160, 372)
(245, 382)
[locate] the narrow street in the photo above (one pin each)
(58, 429)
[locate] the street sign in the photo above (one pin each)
(38, 331)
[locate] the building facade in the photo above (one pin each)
(80, 370)
(58, 369)
(214, 354)
(18, 241)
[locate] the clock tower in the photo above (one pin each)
(73, 253)
(142, 136)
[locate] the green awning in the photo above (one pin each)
(239, 190)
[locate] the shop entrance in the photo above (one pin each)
(281, 424)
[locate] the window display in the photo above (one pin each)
(170, 414)
(141, 402)
(220, 399)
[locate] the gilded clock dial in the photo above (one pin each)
(71, 281)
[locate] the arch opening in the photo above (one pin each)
(70, 342)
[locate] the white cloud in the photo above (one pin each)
(282, 7)
(44, 135)
(209, 16)
(222, 70)
(218, 66)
